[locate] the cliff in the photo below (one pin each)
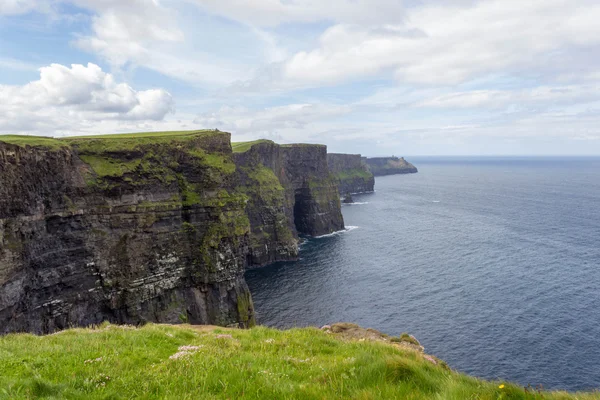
(149, 227)
(291, 192)
(351, 173)
(381, 166)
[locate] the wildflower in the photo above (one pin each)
(185, 351)
(501, 386)
(180, 354)
(96, 360)
(224, 337)
(270, 341)
(189, 348)
(433, 361)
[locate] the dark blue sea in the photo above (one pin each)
(492, 263)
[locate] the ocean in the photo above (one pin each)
(492, 263)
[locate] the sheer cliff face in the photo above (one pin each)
(381, 166)
(351, 173)
(125, 231)
(291, 192)
(140, 229)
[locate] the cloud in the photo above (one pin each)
(448, 45)
(143, 33)
(276, 12)
(533, 97)
(17, 65)
(65, 98)
(16, 7)
(292, 122)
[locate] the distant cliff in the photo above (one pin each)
(290, 191)
(149, 227)
(351, 173)
(381, 166)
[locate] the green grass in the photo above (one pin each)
(34, 141)
(114, 362)
(150, 156)
(354, 173)
(303, 145)
(144, 134)
(135, 141)
(242, 147)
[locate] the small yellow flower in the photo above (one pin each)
(501, 386)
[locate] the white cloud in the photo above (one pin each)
(66, 98)
(534, 97)
(144, 33)
(276, 12)
(293, 122)
(446, 45)
(15, 7)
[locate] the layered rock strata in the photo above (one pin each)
(291, 192)
(138, 228)
(351, 173)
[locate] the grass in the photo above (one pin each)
(135, 141)
(242, 147)
(113, 362)
(303, 145)
(354, 174)
(34, 141)
(112, 142)
(144, 134)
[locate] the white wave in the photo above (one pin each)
(348, 229)
(358, 203)
(435, 201)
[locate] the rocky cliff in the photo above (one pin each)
(291, 191)
(155, 227)
(381, 166)
(351, 173)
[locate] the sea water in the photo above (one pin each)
(492, 263)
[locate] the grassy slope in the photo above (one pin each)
(261, 363)
(354, 173)
(144, 134)
(242, 147)
(34, 141)
(120, 140)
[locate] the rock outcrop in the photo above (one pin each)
(136, 228)
(351, 173)
(381, 166)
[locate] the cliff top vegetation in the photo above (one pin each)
(184, 362)
(34, 141)
(119, 141)
(242, 147)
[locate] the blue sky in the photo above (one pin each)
(377, 77)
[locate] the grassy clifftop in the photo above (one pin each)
(183, 362)
(119, 141)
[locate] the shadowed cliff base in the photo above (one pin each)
(151, 227)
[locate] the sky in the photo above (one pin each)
(376, 77)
